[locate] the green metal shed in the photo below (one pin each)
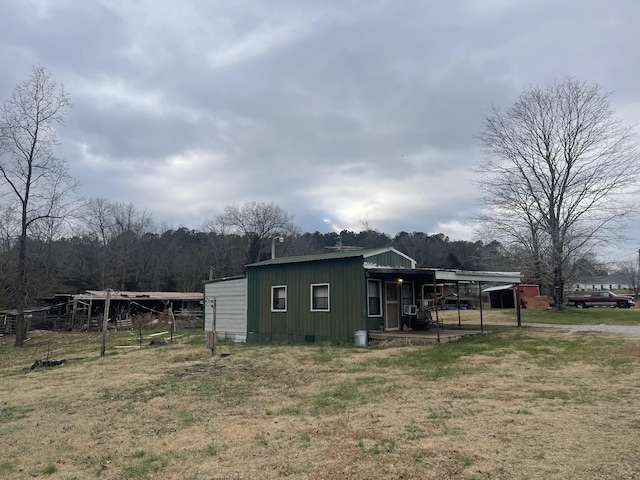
(316, 298)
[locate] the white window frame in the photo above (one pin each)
(273, 290)
(328, 309)
(379, 282)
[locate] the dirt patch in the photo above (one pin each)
(631, 349)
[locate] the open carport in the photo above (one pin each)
(435, 279)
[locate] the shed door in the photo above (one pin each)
(391, 309)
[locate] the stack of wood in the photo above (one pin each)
(539, 301)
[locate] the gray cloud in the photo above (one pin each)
(337, 111)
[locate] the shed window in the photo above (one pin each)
(320, 297)
(279, 298)
(374, 299)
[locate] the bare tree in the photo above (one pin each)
(227, 254)
(630, 271)
(98, 219)
(36, 181)
(558, 168)
(8, 227)
(8, 239)
(117, 227)
(257, 222)
(98, 222)
(129, 225)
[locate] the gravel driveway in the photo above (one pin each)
(624, 330)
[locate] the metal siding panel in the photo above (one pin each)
(352, 315)
(208, 317)
(253, 301)
(345, 278)
(231, 306)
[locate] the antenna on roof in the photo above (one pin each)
(339, 247)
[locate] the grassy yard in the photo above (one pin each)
(568, 316)
(515, 404)
(588, 316)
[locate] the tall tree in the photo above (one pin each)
(559, 164)
(128, 227)
(36, 181)
(258, 223)
(118, 228)
(98, 222)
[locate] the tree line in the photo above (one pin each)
(118, 246)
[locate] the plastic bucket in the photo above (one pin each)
(361, 338)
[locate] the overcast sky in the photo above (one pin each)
(339, 111)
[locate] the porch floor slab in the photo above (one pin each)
(418, 337)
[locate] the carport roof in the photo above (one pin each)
(478, 276)
(452, 275)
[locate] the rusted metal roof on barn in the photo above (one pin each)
(26, 310)
(127, 295)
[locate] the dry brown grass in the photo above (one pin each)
(509, 405)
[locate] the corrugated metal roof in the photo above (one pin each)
(441, 274)
(224, 279)
(26, 310)
(367, 252)
(478, 276)
(498, 288)
(123, 295)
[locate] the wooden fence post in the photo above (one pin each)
(105, 322)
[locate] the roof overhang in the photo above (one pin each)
(447, 275)
(224, 279)
(499, 288)
(417, 274)
(479, 276)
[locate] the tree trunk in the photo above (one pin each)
(558, 275)
(21, 323)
